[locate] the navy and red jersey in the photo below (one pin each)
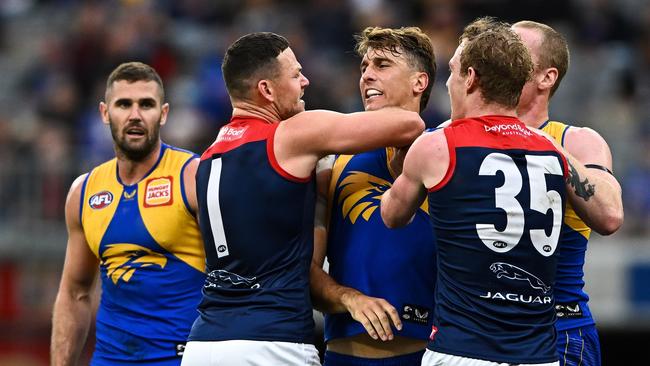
(497, 215)
(257, 221)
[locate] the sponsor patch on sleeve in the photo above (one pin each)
(159, 192)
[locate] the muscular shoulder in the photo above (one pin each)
(72, 203)
(428, 157)
(583, 135)
(75, 187)
(586, 145)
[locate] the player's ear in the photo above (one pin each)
(420, 81)
(103, 111)
(164, 111)
(265, 89)
(471, 81)
(548, 78)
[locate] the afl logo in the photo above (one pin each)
(100, 200)
(499, 244)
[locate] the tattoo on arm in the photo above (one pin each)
(582, 188)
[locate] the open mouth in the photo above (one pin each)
(373, 93)
(135, 131)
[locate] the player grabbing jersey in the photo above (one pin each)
(256, 196)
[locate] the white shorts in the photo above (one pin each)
(442, 359)
(249, 353)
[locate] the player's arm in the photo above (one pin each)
(189, 178)
(425, 165)
(73, 306)
(306, 137)
(593, 190)
(328, 296)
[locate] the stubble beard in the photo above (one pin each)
(135, 151)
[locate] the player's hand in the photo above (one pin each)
(375, 314)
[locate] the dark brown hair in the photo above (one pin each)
(132, 72)
(249, 59)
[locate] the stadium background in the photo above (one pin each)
(55, 57)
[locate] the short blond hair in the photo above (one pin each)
(553, 51)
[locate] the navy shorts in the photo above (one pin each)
(579, 346)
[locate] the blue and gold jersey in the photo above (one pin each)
(152, 261)
(398, 265)
(571, 300)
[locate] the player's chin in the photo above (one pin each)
(373, 105)
(301, 106)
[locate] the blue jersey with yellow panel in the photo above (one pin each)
(152, 261)
(398, 265)
(571, 299)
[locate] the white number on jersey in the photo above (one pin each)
(541, 200)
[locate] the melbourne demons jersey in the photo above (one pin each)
(151, 260)
(571, 299)
(398, 265)
(497, 215)
(258, 224)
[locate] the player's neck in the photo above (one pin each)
(534, 114)
(247, 109)
(480, 108)
(131, 171)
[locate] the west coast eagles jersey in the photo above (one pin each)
(571, 299)
(398, 265)
(151, 261)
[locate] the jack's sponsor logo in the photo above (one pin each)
(158, 192)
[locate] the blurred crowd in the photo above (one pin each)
(55, 56)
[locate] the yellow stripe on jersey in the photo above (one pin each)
(165, 214)
(557, 130)
(97, 212)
